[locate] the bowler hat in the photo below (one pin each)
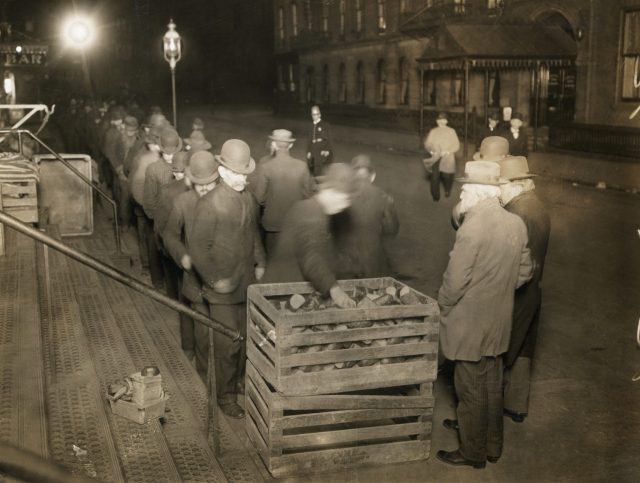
(340, 177)
(482, 172)
(282, 135)
(492, 148)
(157, 119)
(153, 136)
(361, 161)
(236, 155)
(203, 168)
(179, 161)
(170, 142)
(197, 141)
(515, 167)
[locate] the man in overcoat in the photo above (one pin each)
(202, 176)
(443, 143)
(228, 255)
(319, 150)
(489, 260)
(279, 183)
(361, 229)
(517, 136)
(518, 197)
(306, 247)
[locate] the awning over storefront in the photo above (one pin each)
(497, 46)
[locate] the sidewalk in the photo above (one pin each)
(582, 168)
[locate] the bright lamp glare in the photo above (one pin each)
(78, 32)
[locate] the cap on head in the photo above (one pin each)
(236, 156)
(180, 161)
(482, 172)
(340, 177)
(443, 115)
(492, 148)
(203, 168)
(282, 135)
(514, 168)
(197, 141)
(362, 161)
(170, 142)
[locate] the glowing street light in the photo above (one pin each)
(172, 46)
(78, 32)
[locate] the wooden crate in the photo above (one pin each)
(275, 347)
(20, 199)
(305, 434)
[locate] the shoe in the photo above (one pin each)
(515, 417)
(455, 458)
(451, 424)
(493, 459)
(233, 410)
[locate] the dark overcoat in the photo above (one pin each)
(517, 147)
(320, 140)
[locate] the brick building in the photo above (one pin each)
(568, 66)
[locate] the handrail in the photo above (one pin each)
(116, 275)
(114, 206)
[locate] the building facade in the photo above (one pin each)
(570, 66)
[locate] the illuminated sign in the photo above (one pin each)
(23, 55)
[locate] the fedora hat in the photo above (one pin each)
(515, 167)
(492, 148)
(170, 142)
(236, 155)
(282, 135)
(179, 161)
(340, 177)
(197, 141)
(203, 168)
(482, 172)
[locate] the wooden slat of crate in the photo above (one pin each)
(295, 443)
(19, 199)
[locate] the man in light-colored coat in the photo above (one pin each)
(443, 143)
(489, 260)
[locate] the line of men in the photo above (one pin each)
(490, 299)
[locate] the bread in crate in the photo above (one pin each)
(304, 434)
(319, 349)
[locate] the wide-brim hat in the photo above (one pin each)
(482, 172)
(340, 177)
(203, 168)
(492, 148)
(170, 141)
(197, 141)
(514, 168)
(236, 156)
(282, 135)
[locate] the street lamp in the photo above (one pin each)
(172, 45)
(78, 32)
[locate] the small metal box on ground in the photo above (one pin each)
(305, 434)
(137, 413)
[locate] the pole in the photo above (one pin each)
(421, 101)
(466, 107)
(173, 95)
(115, 274)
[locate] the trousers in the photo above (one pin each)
(517, 382)
(478, 386)
(438, 177)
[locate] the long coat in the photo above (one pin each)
(489, 260)
(138, 170)
(225, 242)
(443, 139)
(168, 193)
(320, 140)
(527, 298)
(360, 230)
(517, 147)
(280, 182)
(305, 249)
(176, 240)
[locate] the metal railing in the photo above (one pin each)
(149, 291)
(67, 164)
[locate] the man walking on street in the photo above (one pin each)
(489, 260)
(319, 150)
(227, 253)
(443, 143)
(518, 197)
(280, 182)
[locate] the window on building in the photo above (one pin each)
(404, 6)
(359, 15)
(493, 89)
(457, 88)
(325, 16)
(459, 6)
(403, 74)
(310, 93)
(360, 87)
(430, 85)
(325, 84)
(308, 20)
(382, 22)
(342, 83)
(292, 78)
(281, 25)
(381, 82)
(282, 84)
(342, 8)
(492, 4)
(630, 68)
(294, 19)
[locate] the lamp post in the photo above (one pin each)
(172, 46)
